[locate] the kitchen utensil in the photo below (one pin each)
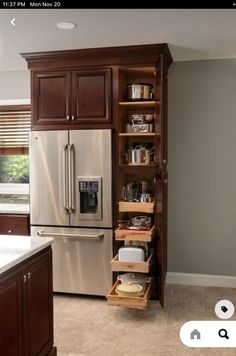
(145, 198)
(140, 221)
(138, 125)
(145, 117)
(126, 289)
(139, 91)
(130, 278)
(132, 254)
(130, 192)
(139, 155)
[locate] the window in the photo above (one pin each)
(14, 148)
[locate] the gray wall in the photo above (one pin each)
(202, 167)
(15, 85)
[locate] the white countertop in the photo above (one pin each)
(14, 208)
(15, 249)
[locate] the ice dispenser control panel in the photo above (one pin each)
(89, 190)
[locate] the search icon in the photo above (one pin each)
(223, 333)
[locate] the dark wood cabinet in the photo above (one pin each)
(12, 315)
(51, 97)
(14, 224)
(26, 324)
(91, 96)
(69, 99)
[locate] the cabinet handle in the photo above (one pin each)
(164, 160)
(68, 118)
(165, 181)
(29, 275)
(72, 117)
(10, 231)
(24, 278)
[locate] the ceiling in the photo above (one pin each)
(192, 34)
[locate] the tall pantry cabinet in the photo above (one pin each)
(88, 88)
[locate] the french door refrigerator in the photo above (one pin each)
(71, 201)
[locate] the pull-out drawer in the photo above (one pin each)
(136, 207)
(130, 302)
(14, 224)
(136, 235)
(123, 266)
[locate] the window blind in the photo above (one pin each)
(15, 123)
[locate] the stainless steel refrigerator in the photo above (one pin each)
(71, 200)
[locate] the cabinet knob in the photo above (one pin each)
(72, 117)
(68, 118)
(164, 160)
(29, 275)
(10, 231)
(24, 278)
(165, 181)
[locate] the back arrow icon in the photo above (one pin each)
(13, 22)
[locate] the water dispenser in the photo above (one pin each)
(89, 199)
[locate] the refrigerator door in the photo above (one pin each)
(81, 259)
(48, 182)
(90, 171)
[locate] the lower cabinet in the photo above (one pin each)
(26, 308)
(14, 224)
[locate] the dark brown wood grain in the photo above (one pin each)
(14, 224)
(26, 307)
(148, 53)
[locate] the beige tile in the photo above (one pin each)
(228, 352)
(61, 353)
(180, 350)
(220, 293)
(76, 354)
(178, 315)
(86, 326)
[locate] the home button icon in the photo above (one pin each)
(195, 334)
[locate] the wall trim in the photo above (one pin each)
(15, 102)
(205, 280)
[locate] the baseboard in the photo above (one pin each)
(205, 280)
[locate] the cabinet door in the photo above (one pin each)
(12, 224)
(51, 97)
(91, 96)
(11, 311)
(39, 301)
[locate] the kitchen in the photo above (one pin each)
(112, 320)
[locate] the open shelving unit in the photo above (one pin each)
(155, 266)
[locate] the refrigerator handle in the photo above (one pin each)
(71, 177)
(65, 192)
(79, 236)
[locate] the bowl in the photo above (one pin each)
(129, 290)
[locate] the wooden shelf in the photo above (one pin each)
(136, 235)
(139, 103)
(130, 302)
(127, 206)
(144, 134)
(123, 266)
(128, 169)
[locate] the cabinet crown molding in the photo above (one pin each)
(148, 53)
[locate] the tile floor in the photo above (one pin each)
(87, 326)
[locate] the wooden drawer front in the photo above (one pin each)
(14, 224)
(135, 207)
(122, 266)
(130, 302)
(137, 235)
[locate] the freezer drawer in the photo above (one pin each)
(81, 259)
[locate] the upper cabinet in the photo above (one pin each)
(71, 98)
(91, 96)
(80, 88)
